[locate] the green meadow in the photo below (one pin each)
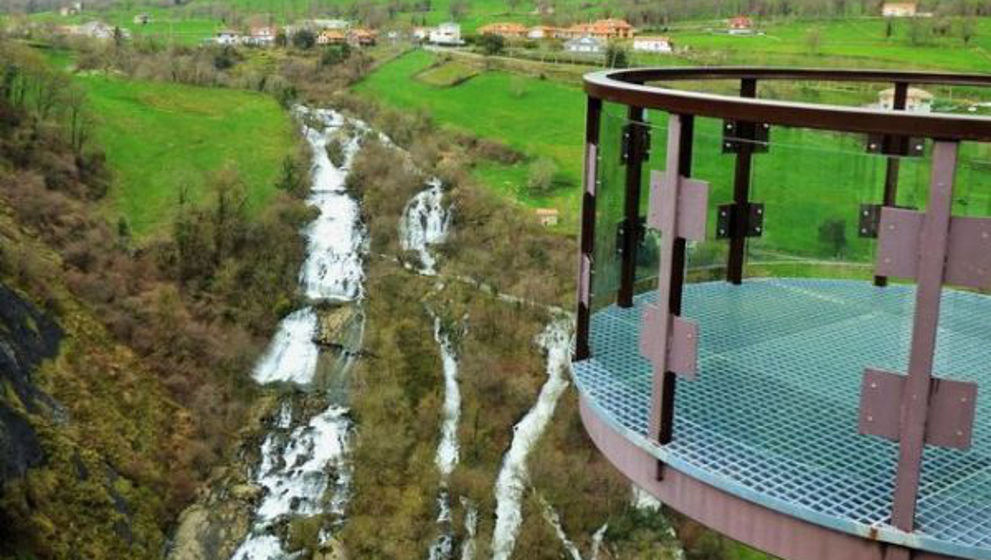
(807, 178)
(162, 138)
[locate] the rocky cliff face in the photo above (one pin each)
(27, 336)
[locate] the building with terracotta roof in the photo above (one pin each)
(507, 30)
(604, 29)
(362, 37)
(741, 25)
(332, 37)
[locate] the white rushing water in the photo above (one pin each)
(424, 223)
(296, 462)
(552, 517)
(292, 354)
(448, 449)
(597, 539)
(513, 476)
(471, 529)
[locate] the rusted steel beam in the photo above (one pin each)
(635, 150)
(741, 192)
(918, 385)
(891, 171)
(593, 117)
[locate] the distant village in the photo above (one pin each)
(580, 38)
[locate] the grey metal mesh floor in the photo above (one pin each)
(773, 415)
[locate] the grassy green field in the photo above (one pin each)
(161, 137)
(807, 178)
(849, 43)
(540, 118)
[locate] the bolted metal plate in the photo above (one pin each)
(584, 279)
(950, 421)
(731, 219)
(591, 169)
(881, 403)
(683, 350)
(968, 260)
(868, 220)
(898, 242)
(682, 347)
(737, 134)
(692, 200)
(896, 145)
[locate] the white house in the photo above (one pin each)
(899, 9)
(540, 32)
(227, 37)
(584, 45)
(656, 44)
(330, 24)
(916, 101)
(263, 36)
(448, 34)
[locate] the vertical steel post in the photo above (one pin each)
(686, 131)
(741, 192)
(893, 164)
(631, 211)
(593, 114)
(915, 401)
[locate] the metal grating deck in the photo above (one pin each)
(773, 415)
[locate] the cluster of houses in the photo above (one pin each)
(587, 38)
(327, 32)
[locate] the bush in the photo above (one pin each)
(335, 151)
(304, 39)
(540, 176)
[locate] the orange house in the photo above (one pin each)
(507, 30)
(604, 29)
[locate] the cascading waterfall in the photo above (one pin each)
(554, 519)
(471, 529)
(295, 461)
(512, 479)
(448, 449)
(424, 223)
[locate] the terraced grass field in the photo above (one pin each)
(160, 138)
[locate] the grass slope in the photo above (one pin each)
(540, 118)
(161, 137)
(807, 179)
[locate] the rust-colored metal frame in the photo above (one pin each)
(783, 536)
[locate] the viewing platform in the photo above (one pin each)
(784, 327)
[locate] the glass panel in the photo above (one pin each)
(973, 183)
(812, 184)
(608, 207)
(706, 260)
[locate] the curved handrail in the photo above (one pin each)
(627, 86)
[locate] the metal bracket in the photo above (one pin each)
(641, 234)
(682, 347)
(968, 257)
(889, 145)
(736, 134)
(869, 218)
(733, 220)
(636, 136)
(951, 409)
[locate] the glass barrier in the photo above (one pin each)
(813, 184)
(609, 206)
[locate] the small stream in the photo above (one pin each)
(513, 476)
(305, 468)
